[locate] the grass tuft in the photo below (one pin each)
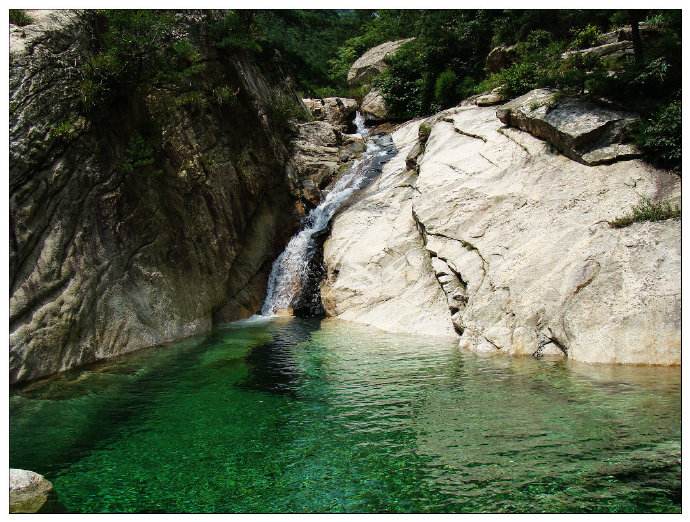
(647, 210)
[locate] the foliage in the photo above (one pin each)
(661, 136)
(589, 36)
(136, 50)
(647, 210)
(423, 133)
(20, 18)
(445, 88)
(283, 110)
(139, 156)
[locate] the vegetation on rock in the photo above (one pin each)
(647, 210)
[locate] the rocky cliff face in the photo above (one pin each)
(106, 259)
(493, 233)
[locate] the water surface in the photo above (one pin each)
(291, 415)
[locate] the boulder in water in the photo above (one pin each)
(28, 491)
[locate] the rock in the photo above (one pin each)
(378, 271)
(374, 108)
(491, 98)
(28, 491)
(339, 112)
(372, 63)
(616, 49)
(501, 57)
(105, 260)
(580, 129)
(516, 239)
(319, 153)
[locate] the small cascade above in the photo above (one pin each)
(296, 274)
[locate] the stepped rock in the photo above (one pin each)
(517, 239)
(339, 112)
(319, 152)
(372, 62)
(582, 130)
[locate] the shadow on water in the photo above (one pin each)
(272, 366)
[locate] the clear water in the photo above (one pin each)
(290, 415)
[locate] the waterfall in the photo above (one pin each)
(293, 268)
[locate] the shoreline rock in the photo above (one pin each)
(28, 491)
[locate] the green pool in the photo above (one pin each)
(305, 416)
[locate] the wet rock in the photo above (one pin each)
(339, 112)
(28, 491)
(319, 153)
(372, 62)
(580, 129)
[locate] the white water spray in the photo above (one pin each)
(290, 270)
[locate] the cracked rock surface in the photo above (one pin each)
(516, 238)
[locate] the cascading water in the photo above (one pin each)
(299, 265)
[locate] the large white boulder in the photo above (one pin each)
(517, 237)
(372, 62)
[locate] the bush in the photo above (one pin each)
(660, 137)
(646, 210)
(20, 18)
(445, 88)
(587, 37)
(139, 156)
(518, 79)
(283, 110)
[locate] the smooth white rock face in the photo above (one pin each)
(525, 230)
(378, 271)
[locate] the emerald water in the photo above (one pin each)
(290, 415)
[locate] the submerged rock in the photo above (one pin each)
(507, 243)
(580, 129)
(28, 491)
(372, 63)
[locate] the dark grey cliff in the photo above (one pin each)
(105, 259)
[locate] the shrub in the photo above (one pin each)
(587, 37)
(445, 88)
(283, 110)
(139, 156)
(518, 79)
(20, 18)
(646, 210)
(423, 133)
(660, 137)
